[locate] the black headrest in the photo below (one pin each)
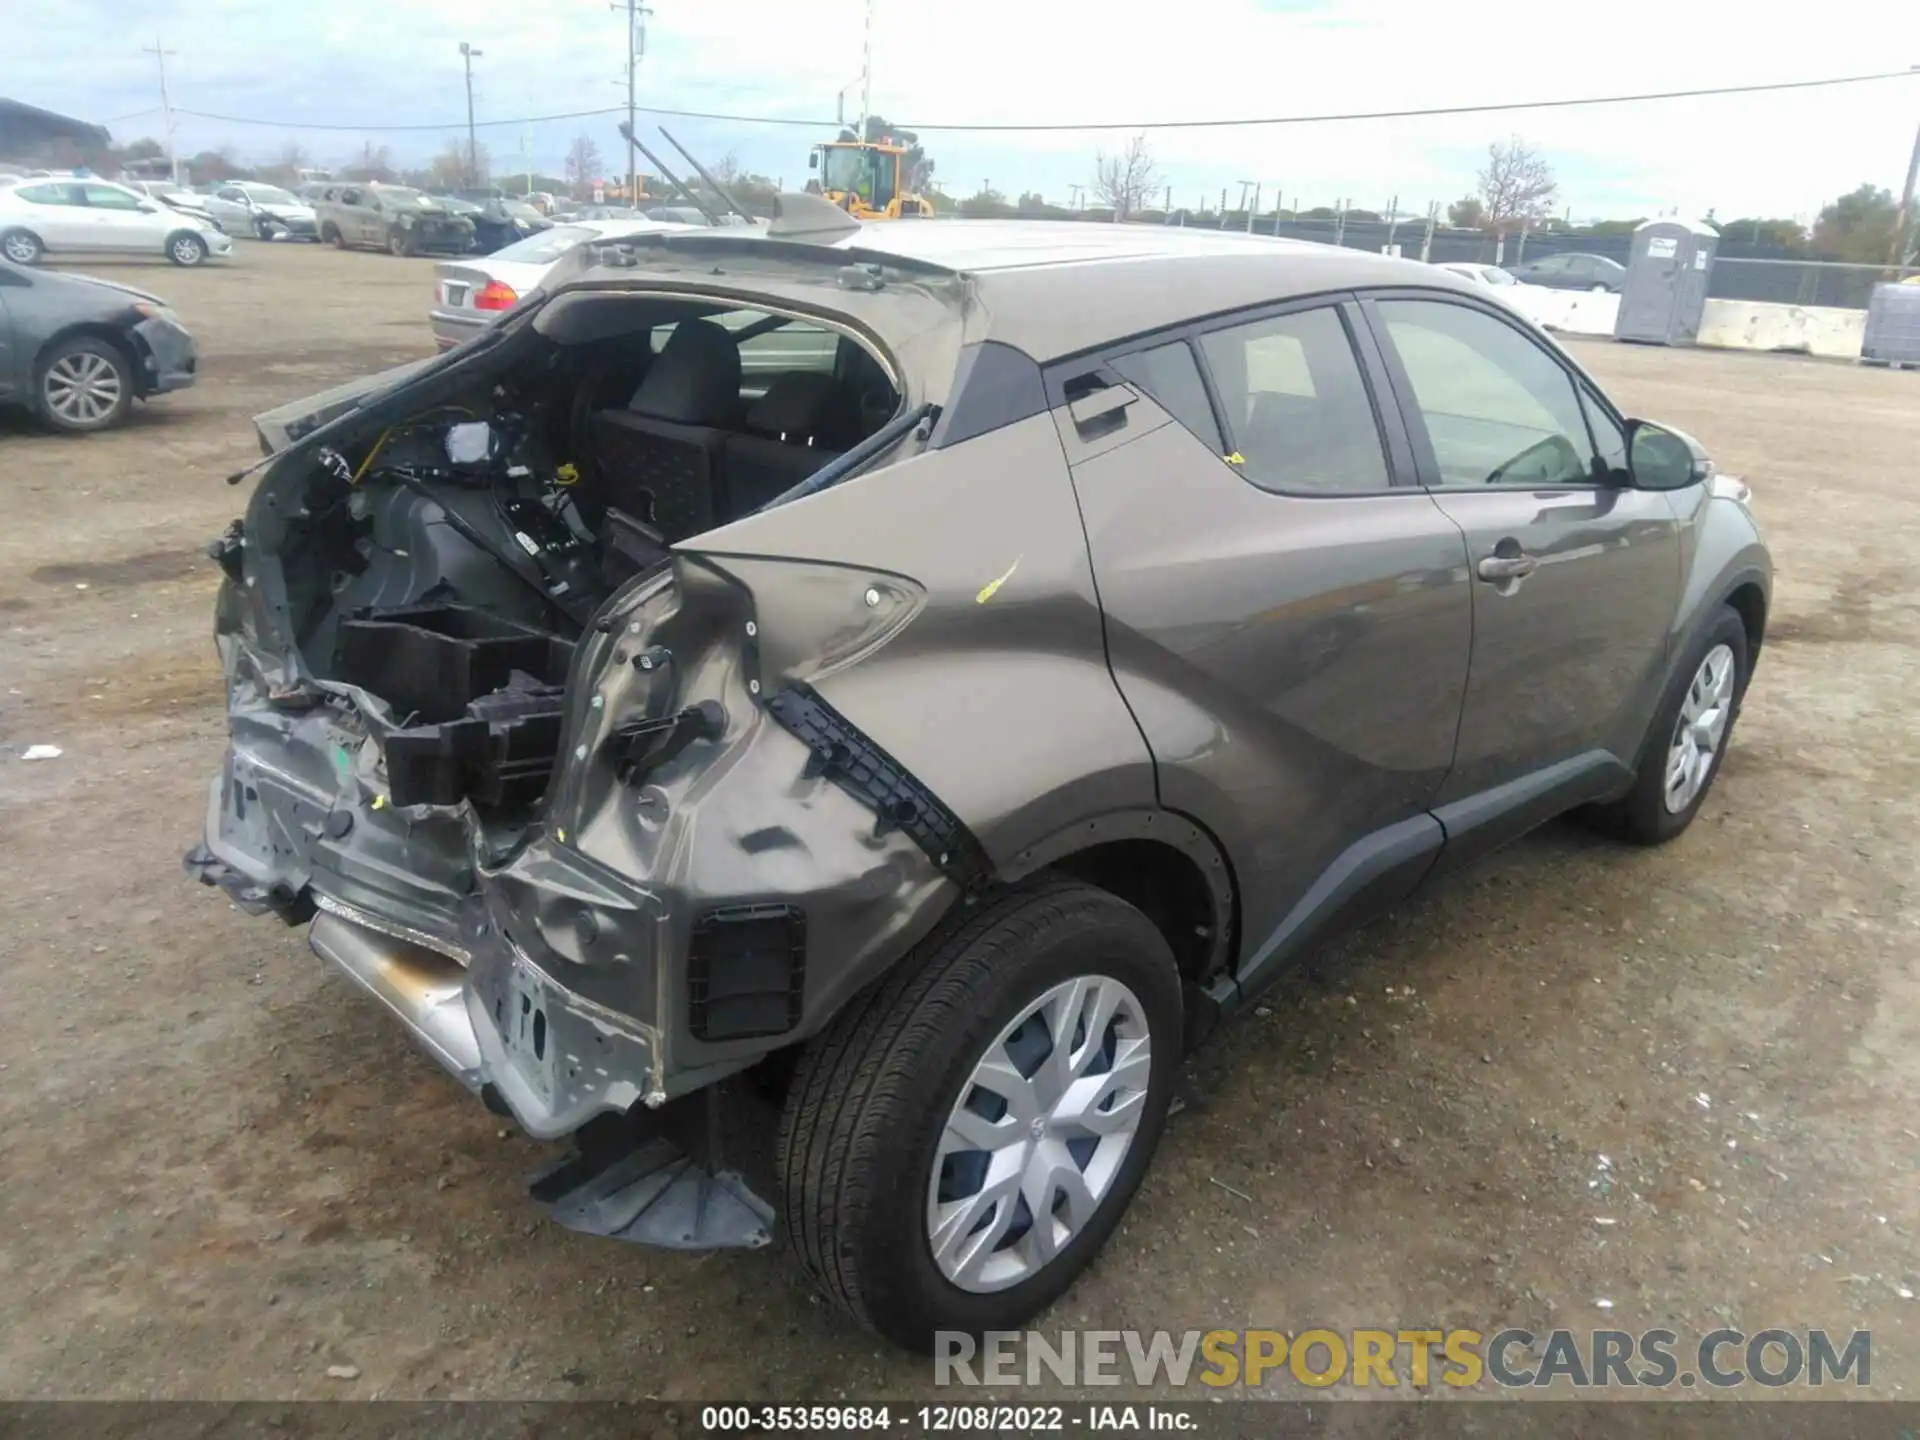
(795, 406)
(695, 380)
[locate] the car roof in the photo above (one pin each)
(1053, 288)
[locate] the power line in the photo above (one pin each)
(1055, 127)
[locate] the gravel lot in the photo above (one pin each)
(222, 1171)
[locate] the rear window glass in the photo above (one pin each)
(1297, 407)
(1168, 373)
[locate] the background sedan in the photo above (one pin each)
(1573, 271)
(98, 217)
(471, 294)
(78, 352)
(247, 207)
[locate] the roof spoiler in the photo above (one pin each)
(800, 216)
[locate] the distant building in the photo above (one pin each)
(28, 133)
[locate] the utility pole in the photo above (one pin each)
(866, 72)
(468, 55)
(1904, 218)
(1393, 221)
(637, 13)
(166, 107)
(1256, 206)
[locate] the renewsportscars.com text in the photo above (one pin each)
(1410, 1359)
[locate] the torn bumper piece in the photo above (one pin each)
(524, 1044)
(549, 1056)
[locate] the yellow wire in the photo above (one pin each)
(387, 434)
(367, 463)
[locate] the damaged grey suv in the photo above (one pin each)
(926, 741)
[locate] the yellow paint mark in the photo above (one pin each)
(992, 587)
(560, 835)
(379, 802)
(1236, 458)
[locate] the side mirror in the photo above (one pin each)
(1662, 459)
(813, 160)
(148, 207)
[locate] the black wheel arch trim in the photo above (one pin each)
(1165, 827)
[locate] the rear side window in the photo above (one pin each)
(44, 194)
(1297, 410)
(1170, 375)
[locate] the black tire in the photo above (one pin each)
(262, 228)
(1641, 816)
(400, 242)
(57, 404)
(330, 235)
(873, 1092)
(23, 247)
(186, 249)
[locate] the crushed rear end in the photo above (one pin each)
(549, 778)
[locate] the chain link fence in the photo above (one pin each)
(1742, 270)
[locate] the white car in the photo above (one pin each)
(91, 217)
(470, 294)
(1535, 302)
(249, 207)
(174, 197)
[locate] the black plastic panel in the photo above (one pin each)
(899, 801)
(746, 971)
(479, 701)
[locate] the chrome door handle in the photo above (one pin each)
(1500, 568)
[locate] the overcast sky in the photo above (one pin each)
(383, 63)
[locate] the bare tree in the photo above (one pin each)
(1122, 182)
(583, 162)
(1517, 187)
(375, 162)
(727, 168)
(450, 169)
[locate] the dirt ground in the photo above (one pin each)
(222, 1171)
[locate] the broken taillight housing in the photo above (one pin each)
(496, 296)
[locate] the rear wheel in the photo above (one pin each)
(85, 384)
(23, 247)
(957, 1147)
(1689, 734)
(186, 248)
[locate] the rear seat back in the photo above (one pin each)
(659, 459)
(792, 431)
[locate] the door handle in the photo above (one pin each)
(1501, 568)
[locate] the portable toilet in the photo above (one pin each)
(1665, 292)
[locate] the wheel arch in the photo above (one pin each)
(1748, 597)
(180, 231)
(115, 336)
(1167, 867)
